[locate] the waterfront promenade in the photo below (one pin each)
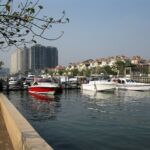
(16, 133)
(5, 142)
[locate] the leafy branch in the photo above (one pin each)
(17, 24)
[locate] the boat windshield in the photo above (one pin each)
(100, 78)
(45, 80)
(130, 80)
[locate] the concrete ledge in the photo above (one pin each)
(21, 133)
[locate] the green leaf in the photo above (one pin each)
(27, 31)
(2, 42)
(17, 30)
(34, 41)
(50, 19)
(7, 7)
(41, 7)
(67, 19)
(11, 33)
(2, 29)
(4, 34)
(30, 10)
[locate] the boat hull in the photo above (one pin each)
(42, 90)
(89, 87)
(105, 87)
(134, 87)
(99, 86)
(45, 90)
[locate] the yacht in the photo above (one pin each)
(129, 84)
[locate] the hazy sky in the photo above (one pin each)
(99, 28)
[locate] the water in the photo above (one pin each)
(79, 120)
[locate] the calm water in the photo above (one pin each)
(79, 120)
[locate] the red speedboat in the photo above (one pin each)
(45, 86)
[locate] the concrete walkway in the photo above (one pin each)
(5, 143)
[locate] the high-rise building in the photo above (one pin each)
(43, 57)
(34, 59)
(16, 61)
(25, 59)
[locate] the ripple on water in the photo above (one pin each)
(79, 120)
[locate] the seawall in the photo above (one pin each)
(23, 136)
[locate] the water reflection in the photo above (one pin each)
(97, 95)
(128, 96)
(36, 107)
(42, 97)
(124, 95)
(107, 121)
(119, 100)
(98, 101)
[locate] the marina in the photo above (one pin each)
(74, 75)
(118, 120)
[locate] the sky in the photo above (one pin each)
(97, 28)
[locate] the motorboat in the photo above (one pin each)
(99, 85)
(12, 84)
(45, 86)
(105, 85)
(129, 84)
(89, 86)
(69, 82)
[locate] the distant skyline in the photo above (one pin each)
(98, 28)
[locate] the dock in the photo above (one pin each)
(5, 142)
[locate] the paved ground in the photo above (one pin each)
(5, 143)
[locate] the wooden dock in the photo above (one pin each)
(5, 142)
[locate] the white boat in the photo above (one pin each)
(105, 85)
(12, 81)
(89, 86)
(129, 84)
(99, 86)
(13, 84)
(69, 82)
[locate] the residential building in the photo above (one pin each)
(16, 61)
(36, 58)
(25, 60)
(42, 57)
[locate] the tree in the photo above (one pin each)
(74, 72)
(87, 72)
(16, 23)
(108, 70)
(119, 67)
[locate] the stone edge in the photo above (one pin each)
(22, 134)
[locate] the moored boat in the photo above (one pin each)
(45, 86)
(99, 85)
(129, 84)
(105, 85)
(91, 86)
